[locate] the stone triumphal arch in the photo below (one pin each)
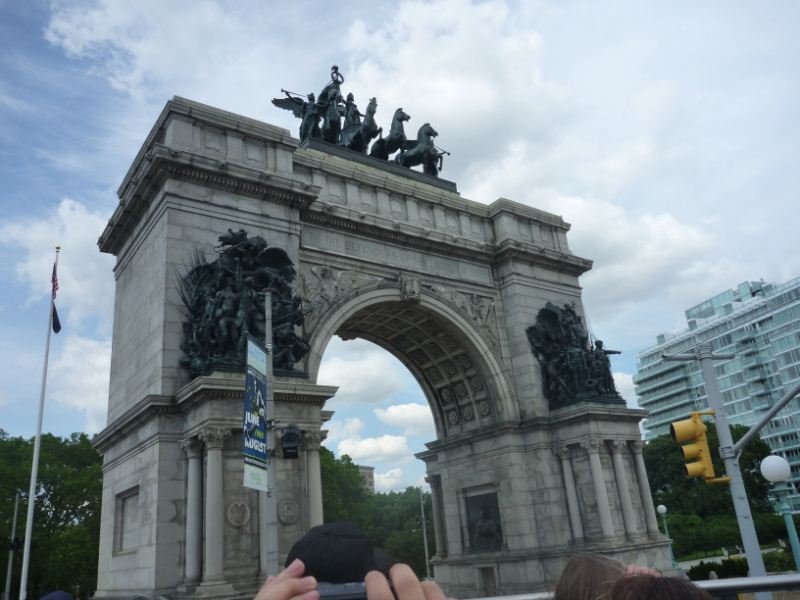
(450, 286)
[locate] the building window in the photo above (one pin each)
(127, 521)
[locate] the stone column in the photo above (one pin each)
(214, 438)
(600, 493)
(435, 482)
(312, 441)
(644, 488)
(193, 448)
(563, 453)
(617, 447)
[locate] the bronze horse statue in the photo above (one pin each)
(422, 151)
(384, 146)
(357, 136)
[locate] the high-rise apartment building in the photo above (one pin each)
(760, 323)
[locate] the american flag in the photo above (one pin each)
(54, 281)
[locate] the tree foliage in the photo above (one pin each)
(66, 533)
(392, 521)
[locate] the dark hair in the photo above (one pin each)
(588, 577)
(654, 587)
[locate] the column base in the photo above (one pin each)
(214, 589)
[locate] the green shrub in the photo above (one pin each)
(729, 567)
(778, 561)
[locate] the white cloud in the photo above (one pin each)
(338, 430)
(84, 274)
(383, 449)
(390, 481)
(79, 378)
(372, 376)
(412, 418)
(625, 387)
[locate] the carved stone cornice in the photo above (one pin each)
(160, 163)
(214, 437)
(192, 446)
(313, 439)
(544, 257)
(149, 407)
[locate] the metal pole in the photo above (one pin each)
(737, 447)
(791, 530)
(666, 533)
(755, 562)
(268, 521)
(26, 552)
(7, 592)
(424, 534)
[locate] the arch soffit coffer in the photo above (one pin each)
(460, 376)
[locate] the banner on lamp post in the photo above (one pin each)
(254, 427)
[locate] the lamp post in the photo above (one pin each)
(424, 534)
(662, 510)
(776, 469)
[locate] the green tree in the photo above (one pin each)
(66, 534)
(392, 521)
(395, 524)
(344, 495)
(691, 496)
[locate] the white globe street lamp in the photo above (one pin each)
(662, 510)
(776, 469)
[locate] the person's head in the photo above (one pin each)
(588, 577)
(654, 587)
(350, 97)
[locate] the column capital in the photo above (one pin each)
(214, 437)
(192, 446)
(313, 439)
(562, 451)
(636, 446)
(592, 445)
(617, 445)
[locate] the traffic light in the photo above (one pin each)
(694, 430)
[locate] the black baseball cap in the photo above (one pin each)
(339, 552)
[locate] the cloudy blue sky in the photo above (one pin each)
(667, 133)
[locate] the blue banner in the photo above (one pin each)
(254, 428)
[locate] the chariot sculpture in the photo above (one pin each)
(321, 118)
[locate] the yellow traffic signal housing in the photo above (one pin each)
(694, 430)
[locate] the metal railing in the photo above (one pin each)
(715, 587)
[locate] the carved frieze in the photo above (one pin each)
(479, 310)
(323, 287)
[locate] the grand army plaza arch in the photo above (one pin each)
(536, 456)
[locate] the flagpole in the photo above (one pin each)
(26, 553)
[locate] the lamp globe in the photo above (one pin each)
(775, 468)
